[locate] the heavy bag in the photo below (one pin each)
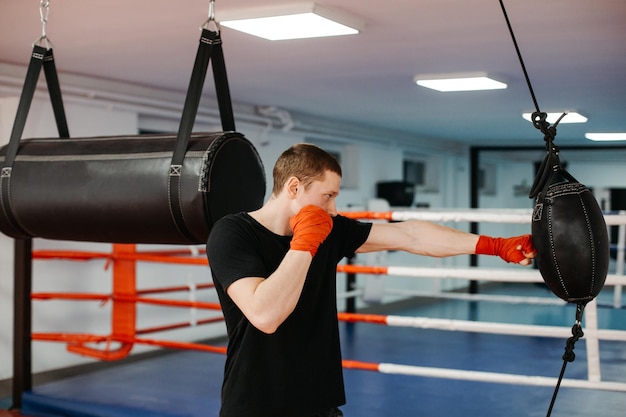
(118, 189)
(161, 189)
(569, 234)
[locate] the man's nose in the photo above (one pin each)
(332, 208)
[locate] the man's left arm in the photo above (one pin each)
(431, 239)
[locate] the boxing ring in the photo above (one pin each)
(125, 297)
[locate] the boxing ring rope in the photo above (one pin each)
(124, 331)
(511, 216)
(126, 297)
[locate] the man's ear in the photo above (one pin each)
(292, 186)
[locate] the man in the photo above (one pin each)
(275, 274)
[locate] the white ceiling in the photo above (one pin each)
(574, 51)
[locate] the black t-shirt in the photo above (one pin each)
(295, 372)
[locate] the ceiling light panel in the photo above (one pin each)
(459, 82)
(606, 136)
(297, 21)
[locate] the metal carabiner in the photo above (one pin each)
(211, 18)
(44, 12)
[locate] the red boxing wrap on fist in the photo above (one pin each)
(510, 249)
(310, 227)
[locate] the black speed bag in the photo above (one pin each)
(571, 239)
(117, 189)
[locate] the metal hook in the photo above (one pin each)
(44, 12)
(211, 19)
(580, 308)
(211, 9)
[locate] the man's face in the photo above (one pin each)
(322, 193)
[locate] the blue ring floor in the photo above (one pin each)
(187, 383)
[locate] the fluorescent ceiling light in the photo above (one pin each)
(570, 117)
(606, 136)
(469, 82)
(304, 20)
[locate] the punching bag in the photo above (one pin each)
(569, 233)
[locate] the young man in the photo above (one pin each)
(275, 274)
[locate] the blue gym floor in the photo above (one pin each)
(187, 383)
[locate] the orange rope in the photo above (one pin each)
(174, 252)
(366, 318)
(363, 269)
(126, 299)
(383, 215)
(76, 344)
(167, 259)
(146, 257)
(179, 345)
(366, 366)
(71, 255)
(69, 337)
(175, 289)
(156, 329)
(177, 303)
(106, 297)
(69, 296)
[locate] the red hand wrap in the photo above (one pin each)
(505, 248)
(310, 227)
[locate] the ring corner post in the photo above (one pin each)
(22, 330)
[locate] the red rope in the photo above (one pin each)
(179, 325)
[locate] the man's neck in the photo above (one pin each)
(274, 216)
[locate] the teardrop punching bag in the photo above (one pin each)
(568, 232)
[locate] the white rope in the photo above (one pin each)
(472, 215)
(592, 342)
(484, 274)
(502, 328)
(518, 216)
(502, 378)
(510, 299)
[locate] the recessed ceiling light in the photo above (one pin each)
(606, 136)
(297, 21)
(455, 82)
(570, 117)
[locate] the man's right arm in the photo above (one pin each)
(267, 302)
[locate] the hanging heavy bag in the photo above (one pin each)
(162, 189)
(569, 233)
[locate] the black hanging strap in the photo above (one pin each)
(54, 89)
(41, 57)
(210, 47)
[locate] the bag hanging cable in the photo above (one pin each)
(569, 232)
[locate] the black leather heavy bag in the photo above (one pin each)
(119, 189)
(570, 235)
(162, 189)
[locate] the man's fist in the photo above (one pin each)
(310, 227)
(513, 249)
